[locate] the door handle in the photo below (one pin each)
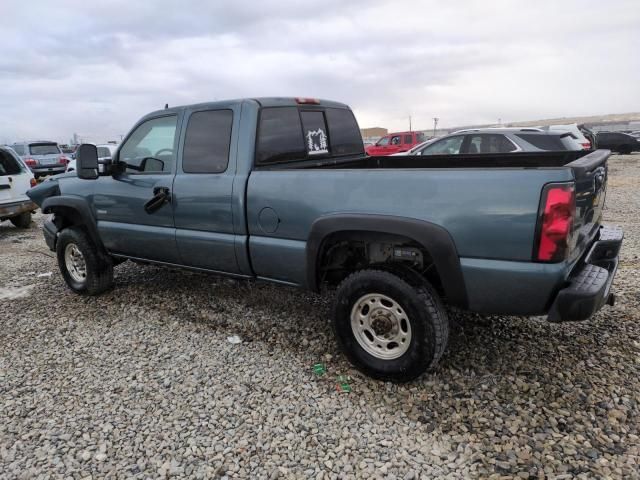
(161, 195)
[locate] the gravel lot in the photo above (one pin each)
(142, 381)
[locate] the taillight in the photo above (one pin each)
(30, 162)
(555, 221)
(586, 145)
(33, 182)
(63, 160)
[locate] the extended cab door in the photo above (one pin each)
(203, 190)
(125, 225)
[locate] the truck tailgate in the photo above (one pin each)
(590, 174)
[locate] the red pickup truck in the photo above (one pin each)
(395, 142)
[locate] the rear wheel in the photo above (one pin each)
(388, 328)
(84, 270)
(22, 221)
(624, 150)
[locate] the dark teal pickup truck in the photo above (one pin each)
(280, 190)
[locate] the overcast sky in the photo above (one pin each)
(70, 66)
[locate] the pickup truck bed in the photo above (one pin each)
(280, 190)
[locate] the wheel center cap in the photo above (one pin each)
(381, 324)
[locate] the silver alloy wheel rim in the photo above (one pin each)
(74, 261)
(381, 326)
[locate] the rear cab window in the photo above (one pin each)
(287, 134)
(44, 149)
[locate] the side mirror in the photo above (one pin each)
(150, 164)
(87, 161)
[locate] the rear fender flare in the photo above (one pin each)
(434, 238)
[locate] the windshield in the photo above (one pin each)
(44, 149)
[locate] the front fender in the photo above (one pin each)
(78, 211)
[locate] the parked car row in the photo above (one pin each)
(571, 137)
(498, 140)
(43, 157)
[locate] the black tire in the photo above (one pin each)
(22, 221)
(99, 270)
(426, 314)
(624, 150)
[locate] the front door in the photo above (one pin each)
(129, 222)
(203, 189)
(395, 144)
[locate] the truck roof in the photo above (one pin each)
(261, 101)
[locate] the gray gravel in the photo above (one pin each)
(142, 382)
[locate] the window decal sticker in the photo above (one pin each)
(317, 142)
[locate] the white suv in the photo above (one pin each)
(15, 180)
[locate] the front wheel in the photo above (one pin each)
(387, 328)
(81, 265)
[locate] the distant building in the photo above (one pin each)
(373, 132)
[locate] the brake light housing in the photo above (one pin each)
(307, 101)
(33, 182)
(63, 160)
(555, 222)
(586, 145)
(30, 162)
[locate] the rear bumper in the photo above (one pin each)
(589, 285)
(48, 170)
(9, 210)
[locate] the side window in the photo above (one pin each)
(344, 134)
(383, 142)
(492, 143)
(207, 140)
(446, 146)
(395, 140)
(155, 141)
(314, 128)
(279, 135)
(420, 137)
(408, 139)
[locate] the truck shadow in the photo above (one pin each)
(299, 321)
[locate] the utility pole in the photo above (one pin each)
(435, 125)
(410, 123)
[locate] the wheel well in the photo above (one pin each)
(64, 217)
(344, 252)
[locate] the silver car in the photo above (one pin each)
(42, 157)
(498, 140)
